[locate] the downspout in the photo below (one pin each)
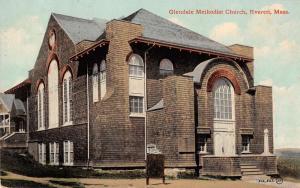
(145, 97)
(27, 118)
(88, 115)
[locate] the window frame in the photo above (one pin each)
(166, 68)
(41, 106)
(223, 100)
(137, 110)
(54, 153)
(136, 66)
(67, 99)
(202, 145)
(102, 71)
(69, 154)
(53, 107)
(102, 79)
(95, 83)
(42, 153)
(246, 144)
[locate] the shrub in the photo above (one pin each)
(289, 167)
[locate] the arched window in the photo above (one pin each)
(40, 102)
(67, 98)
(95, 83)
(136, 66)
(136, 85)
(223, 100)
(53, 94)
(166, 67)
(103, 78)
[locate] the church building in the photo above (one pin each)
(104, 93)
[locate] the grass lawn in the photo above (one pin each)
(23, 183)
(26, 165)
(289, 167)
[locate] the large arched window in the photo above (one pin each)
(67, 98)
(136, 85)
(95, 83)
(103, 78)
(166, 67)
(53, 94)
(223, 100)
(40, 102)
(136, 66)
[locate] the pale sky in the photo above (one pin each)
(275, 38)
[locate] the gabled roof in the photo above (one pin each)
(7, 100)
(79, 29)
(158, 28)
(18, 86)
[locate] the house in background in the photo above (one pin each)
(13, 122)
(104, 93)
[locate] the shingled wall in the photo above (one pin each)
(172, 128)
(116, 138)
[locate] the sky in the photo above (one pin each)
(275, 38)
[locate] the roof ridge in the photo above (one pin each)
(68, 16)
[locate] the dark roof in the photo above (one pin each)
(155, 27)
(79, 29)
(26, 82)
(198, 70)
(7, 100)
(20, 108)
(158, 28)
(157, 106)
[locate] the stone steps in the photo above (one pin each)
(250, 169)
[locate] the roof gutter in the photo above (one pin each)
(190, 49)
(80, 54)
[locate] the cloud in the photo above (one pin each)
(19, 45)
(276, 48)
(274, 6)
(176, 21)
(286, 112)
(267, 82)
(225, 32)
(288, 46)
(262, 51)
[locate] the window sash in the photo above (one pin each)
(68, 153)
(42, 153)
(136, 70)
(102, 76)
(95, 83)
(40, 110)
(54, 153)
(223, 102)
(136, 104)
(165, 72)
(67, 100)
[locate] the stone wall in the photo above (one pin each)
(221, 166)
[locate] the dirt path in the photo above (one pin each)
(154, 183)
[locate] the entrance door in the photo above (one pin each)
(224, 143)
